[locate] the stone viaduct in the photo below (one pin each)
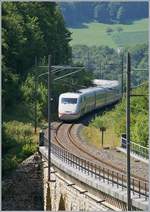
(73, 187)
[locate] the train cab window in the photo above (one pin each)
(69, 100)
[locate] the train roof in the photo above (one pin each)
(105, 83)
(100, 85)
(70, 94)
(87, 90)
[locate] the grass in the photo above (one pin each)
(18, 139)
(128, 38)
(93, 136)
(19, 142)
(95, 34)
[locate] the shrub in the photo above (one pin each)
(9, 163)
(7, 141)
(99, 122)
(109, 30)
(119, 29)
(18, 131)
(27, 150)
(18, 143)
(116, 119)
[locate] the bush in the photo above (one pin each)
(27, 150)
(7, 141)
(140, 129)
(100, 122)
(109, 30)
(119, 29)
(29, 95)
(9, 163)
(116, 119)
(18, 143)
(18, 131)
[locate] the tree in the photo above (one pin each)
(77, 13)
(119, 29)
(101, 12)
(121, 15)
(113, 9)
(28, 30)
(29, 95)
(109, 30)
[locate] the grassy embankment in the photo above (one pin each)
(18, 138)
(115, 122)
(120, 35)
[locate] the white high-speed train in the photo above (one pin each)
(74, 105)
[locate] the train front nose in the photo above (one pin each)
(68, 112)
(68, 108)
(68, 115)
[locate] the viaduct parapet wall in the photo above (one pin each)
(73, 189)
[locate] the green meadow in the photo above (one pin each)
(112, 35)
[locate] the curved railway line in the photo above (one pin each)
(72, 146)
(62, 138)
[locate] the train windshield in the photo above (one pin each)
(69, 100)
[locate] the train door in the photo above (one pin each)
(82, 105)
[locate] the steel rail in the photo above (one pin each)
(73, 141)
(98, 159)
(110, 172)
(97, 172)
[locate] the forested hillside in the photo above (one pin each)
(115, 121)
(105, 62)
(29, 30)
(34, 30)
(77, 13)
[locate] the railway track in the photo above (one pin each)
(72, 146)
(64, 139)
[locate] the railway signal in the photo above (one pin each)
(102, 129)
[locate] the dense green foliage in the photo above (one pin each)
(77, 13)
(36, 29)
(70, 83)
(18, 143)
(116, 119)
(106, 63)
(29, 30)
